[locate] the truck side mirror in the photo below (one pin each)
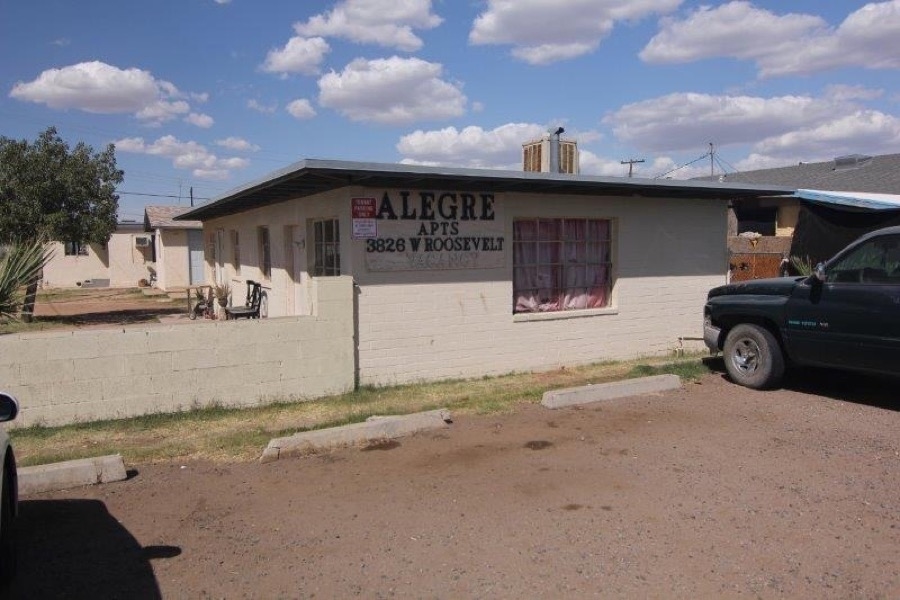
(820, 272)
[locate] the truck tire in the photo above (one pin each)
(753, 357)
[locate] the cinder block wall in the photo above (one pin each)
(80, 376)
(426, 325)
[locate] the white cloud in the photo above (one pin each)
(299, 55)
(301, 109)
(393, 90)
(267, 109)
(387, 23)
(222, 1)
(781, 129)
(184, 155)
(471, 146)
(200, 120)
(840, 92)
(872, 130)
(97, 87)
(686, 121)
(546, 31)
(237, 144)
(789, 44)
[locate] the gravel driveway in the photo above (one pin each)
(713, 491)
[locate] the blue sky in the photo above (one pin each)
(210, 94)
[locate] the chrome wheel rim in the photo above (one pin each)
(746, 356)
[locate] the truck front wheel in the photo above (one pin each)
(753, 357)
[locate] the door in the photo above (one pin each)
(852, 319)
(195, 257)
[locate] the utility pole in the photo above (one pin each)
(192, 195)
(712, 159)
(631, 162)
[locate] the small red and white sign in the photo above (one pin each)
(362, 211)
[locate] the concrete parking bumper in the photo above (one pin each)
(608, 391)
(374, 429)
(71, 473)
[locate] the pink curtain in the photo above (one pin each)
(560, 264)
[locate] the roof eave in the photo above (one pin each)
(313, 176)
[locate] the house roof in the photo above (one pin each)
(312, 176)
(855, 173)
(163, 217)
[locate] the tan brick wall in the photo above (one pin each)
(76, 376)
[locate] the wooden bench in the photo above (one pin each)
(250, 310)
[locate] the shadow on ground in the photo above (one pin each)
(861, 388)
(76, 549)
(112, 317)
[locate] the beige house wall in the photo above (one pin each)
(67, 271)
(432, 324)
(128, 263)
(172, 259)
(86, 375)
(120, 262)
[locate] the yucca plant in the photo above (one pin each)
(803, 266)
(20, 265)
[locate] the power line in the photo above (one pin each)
(158, 195)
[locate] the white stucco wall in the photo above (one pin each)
(418, 325)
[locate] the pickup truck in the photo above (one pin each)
(845, 316)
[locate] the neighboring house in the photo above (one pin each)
(815, 206)
(178, 248)
(121, 262)
(465, 272)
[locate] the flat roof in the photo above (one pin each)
(313, 176)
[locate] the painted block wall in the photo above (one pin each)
(88, 375)
(424, 325)
(421, 325)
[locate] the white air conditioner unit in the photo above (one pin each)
(142, 241)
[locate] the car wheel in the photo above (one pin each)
(7, 532)
(753, 357)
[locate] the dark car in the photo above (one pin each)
(9, 495)
(845, 316)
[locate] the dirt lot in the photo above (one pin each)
(713, 491)
(104, 307)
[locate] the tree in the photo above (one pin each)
(51, 192)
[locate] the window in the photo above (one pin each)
(327, 242)
(76, 249)
(761, 220)
(236, 251)
(561, 264)
(876, 261)
(265, 253)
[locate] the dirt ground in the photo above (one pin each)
(107, 306)
(713, 491)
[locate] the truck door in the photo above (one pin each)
(852, 319)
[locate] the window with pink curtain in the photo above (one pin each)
(561, 264)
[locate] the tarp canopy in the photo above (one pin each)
(858, 200)
(828, 221)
